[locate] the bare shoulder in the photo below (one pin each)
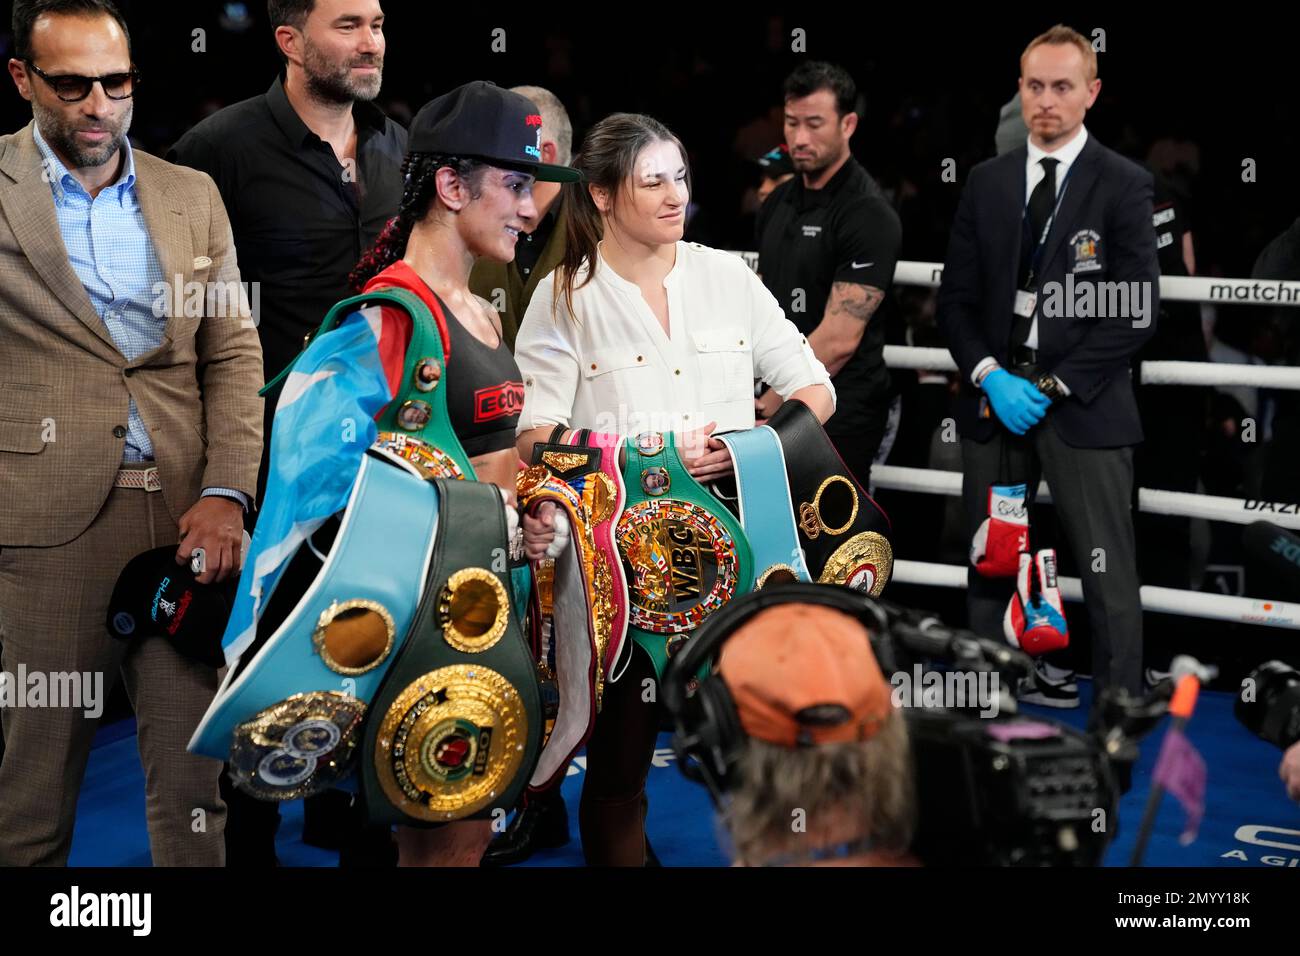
(493, 316)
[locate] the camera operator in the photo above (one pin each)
(823, 775)
(810, 759)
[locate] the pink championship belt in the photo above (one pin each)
(606, 499)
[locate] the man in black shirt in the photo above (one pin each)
(827, 244)
(309, 172)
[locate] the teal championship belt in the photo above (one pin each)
(456, 728)
(686, 555)
(765, 509)
(287, 717)
(843, 532)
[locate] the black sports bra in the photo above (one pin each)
(485, 390)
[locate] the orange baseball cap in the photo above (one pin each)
(803, 674)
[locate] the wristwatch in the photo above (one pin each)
(1049, 386)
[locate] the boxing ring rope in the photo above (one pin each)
(1152, 373)
(1219, 607)
(1156, 501)
(1172, 288)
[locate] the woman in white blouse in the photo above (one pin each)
(636, 331)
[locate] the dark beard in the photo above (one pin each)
(332, 82)
(801, 166)
(61, 136)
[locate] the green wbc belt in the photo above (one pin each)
(685, 553)
(416, 424)
(456, 727)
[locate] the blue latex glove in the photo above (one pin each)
(1016, 401)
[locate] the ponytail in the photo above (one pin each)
(581, 235)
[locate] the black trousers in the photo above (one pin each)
(1092, 492)
(612, 813)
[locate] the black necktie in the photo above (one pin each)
(1041, 202)
(1043, 198)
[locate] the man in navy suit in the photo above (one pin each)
(1049, 288)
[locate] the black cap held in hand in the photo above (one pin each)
(482, 121)
(156, 597)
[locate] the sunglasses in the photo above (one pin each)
(72, 88)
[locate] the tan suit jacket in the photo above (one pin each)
(65, 387)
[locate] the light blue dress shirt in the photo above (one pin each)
(110, 250)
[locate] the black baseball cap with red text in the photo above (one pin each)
(482, 121)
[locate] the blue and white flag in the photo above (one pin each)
(324, 422)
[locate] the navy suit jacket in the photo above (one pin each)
(1102, 234)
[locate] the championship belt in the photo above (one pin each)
(843, 532)
(764, 504)
(609, 578)
(416, 424)
(287, 717)
(571, 621)
(456, 726)
(685, 553)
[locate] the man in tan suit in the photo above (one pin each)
(125, 424)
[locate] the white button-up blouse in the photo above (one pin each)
(612, 369)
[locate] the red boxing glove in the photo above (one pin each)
(995, 549)
(1035, 618)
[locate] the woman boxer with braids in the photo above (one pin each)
(468, 193)
(638, 330)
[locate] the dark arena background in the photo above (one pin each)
(1207, 101)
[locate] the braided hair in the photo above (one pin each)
(419, 194)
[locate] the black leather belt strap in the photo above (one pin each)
(1024, 355)
(830, 505)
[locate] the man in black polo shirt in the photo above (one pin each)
(309, 172)
(827, 244)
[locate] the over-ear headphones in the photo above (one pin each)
(708, 738)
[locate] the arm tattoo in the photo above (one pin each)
(854, 299)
